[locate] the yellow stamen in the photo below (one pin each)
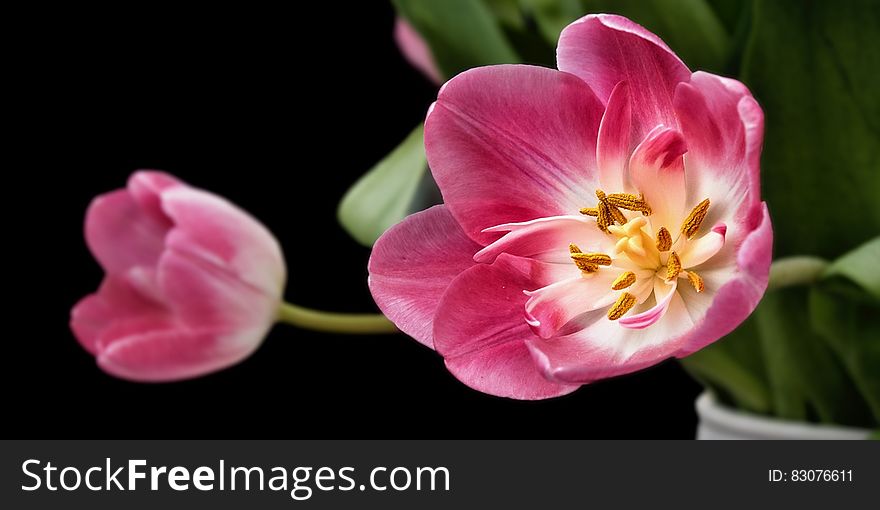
(604, 217)
(617, 215)
(673, 267)
(696, 280)
(629, 202)
(692, 223)
(590, 211)
(573, 248)
(593, 258)
(624, 303)
(583, 265)
(624, 280)
(664, 239)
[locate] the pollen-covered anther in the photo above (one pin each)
(629, 202)
(624, 304)
(590, 211)
(692, 223)
(583, 265)
(624, 280)
(696, 280)
(673, 267)
(664, 239)
(593, 258)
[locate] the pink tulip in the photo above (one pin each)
(416, 50)
(597, 219)
(192, 284)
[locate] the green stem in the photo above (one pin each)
(793, 271)
(329, 322)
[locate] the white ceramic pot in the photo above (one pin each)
(720, 422)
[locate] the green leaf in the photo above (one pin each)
(690, 27)
(845, 310)
(733, 368)
(461, 33)
(807, 381)
(861, 266)
(385, 194)
(552, 16)
(815, 68)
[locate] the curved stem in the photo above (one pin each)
(352, 323)
(798, 270)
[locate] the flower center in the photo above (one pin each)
(643, 256)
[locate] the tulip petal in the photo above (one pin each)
(615, 142)
(416, 50)
(606, 349)
(656, 169)
(210, 227)
(546, 239)
(604, 50)
(704, 248)
(664, 292)
(724, 127)
(480, 331)
(115, 302)
(145, 187)
(170, 355)
(413, 263)
(120, 235)
(740, 293)
(552, 307)
(513, 143)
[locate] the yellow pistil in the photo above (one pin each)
(583, 265)
(664, 239)
(624, 280)
(692, 223)
(673, 267)
(696, 280)
(624, 303)
(629, 202)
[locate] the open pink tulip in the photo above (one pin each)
(597, 219)
(192, 284)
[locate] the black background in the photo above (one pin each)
(280, 111)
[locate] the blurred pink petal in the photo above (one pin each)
(192, 284)
(416, 50)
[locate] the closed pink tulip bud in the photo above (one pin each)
(192, 284)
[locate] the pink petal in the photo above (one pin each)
(211, 228)
(604, 50)
(513, 143)
(615, 143)
(413, 263)
(546, 239)
(605, 349)
(203, 294)
(416, 50)
(115, 302)
(145, 187)
(170, 355)
(120, 235)
(704, 248)
(480, 331)
(724, 128)
(664, 292)
(656, 169)
(552, 307)
(736, 300)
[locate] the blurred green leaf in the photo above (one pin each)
(845, 310)
(461, 33)
(807, 381)
(385, 194)
(862, 266)
(733, 368)
(815, 68)
(690, 27)
(508, 13)
(552, 16)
